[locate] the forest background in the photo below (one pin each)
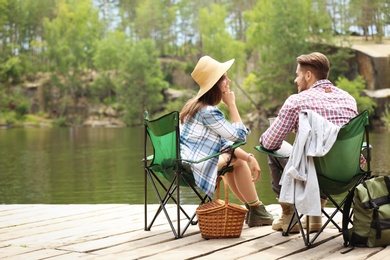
(115, 58)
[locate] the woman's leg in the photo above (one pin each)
(240, 180)
(241, 183)
(223, 160)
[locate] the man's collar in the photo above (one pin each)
(320, 82)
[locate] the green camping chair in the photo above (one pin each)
(338, 172)
(167, 173)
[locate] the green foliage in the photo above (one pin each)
(279, 36)
(339, 62)
(9, 117)
(355, 88)
(60, 122)
(370, 16)
(74, 38)
(14, 101)
(107, 59)
(71, 39)
(11, 70)
(102, 88)
(110, 50)
(156, 18)
(216, 41)
(140, 81)
(22, 108)
(176, 105)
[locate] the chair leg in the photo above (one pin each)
(171, 193)
(297, 221)
(162, 201)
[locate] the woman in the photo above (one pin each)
(205, 131)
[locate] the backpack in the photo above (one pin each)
(371, 214)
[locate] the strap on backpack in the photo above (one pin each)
(387, 181)
(375, 215)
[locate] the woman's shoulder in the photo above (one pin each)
(209, 112)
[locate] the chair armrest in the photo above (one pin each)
(268, 152)
(234, 146)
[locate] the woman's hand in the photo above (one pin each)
(229, 98)
(255, 168)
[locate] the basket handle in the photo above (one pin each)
(226, 188)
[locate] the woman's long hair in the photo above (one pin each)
(211, 98)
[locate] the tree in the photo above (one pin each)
(71, 39)
(216, 40)
(107, 58)
(370, 15)
(277, 36)
(155, 20)
(140, 81)
(355, 89)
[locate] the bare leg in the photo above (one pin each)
(240, 180)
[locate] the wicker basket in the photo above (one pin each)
(220, 219)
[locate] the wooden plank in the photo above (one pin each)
(75, 224)
(117, 231)
(20, 252)
(252, 246)
(384, 253)
(42, 213)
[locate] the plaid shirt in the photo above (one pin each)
(206, 134)
(334, 104)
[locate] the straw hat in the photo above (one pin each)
(207, 72)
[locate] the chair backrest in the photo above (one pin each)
(342, 162)
(164, 135)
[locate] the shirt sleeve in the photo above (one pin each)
(285, 123)
(214, 119)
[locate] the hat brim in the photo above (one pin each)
(215, 77)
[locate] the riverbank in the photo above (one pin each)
(115, 231)
(34, 121)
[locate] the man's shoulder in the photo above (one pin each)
(343, 92)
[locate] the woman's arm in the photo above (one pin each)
(249, 158)
(213, 118)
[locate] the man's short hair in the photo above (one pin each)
(316, 62)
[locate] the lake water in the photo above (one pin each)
(103, 165)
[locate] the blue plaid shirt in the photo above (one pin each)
(206, 134)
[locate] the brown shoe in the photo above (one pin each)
(283, 222)
(315, 221)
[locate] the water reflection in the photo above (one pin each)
(100, 165)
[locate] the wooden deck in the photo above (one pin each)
(115, 231)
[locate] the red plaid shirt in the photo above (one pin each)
(334, 104)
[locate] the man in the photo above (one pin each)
(317, 93)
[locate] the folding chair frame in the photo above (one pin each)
(339, 207)
(172, 191)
